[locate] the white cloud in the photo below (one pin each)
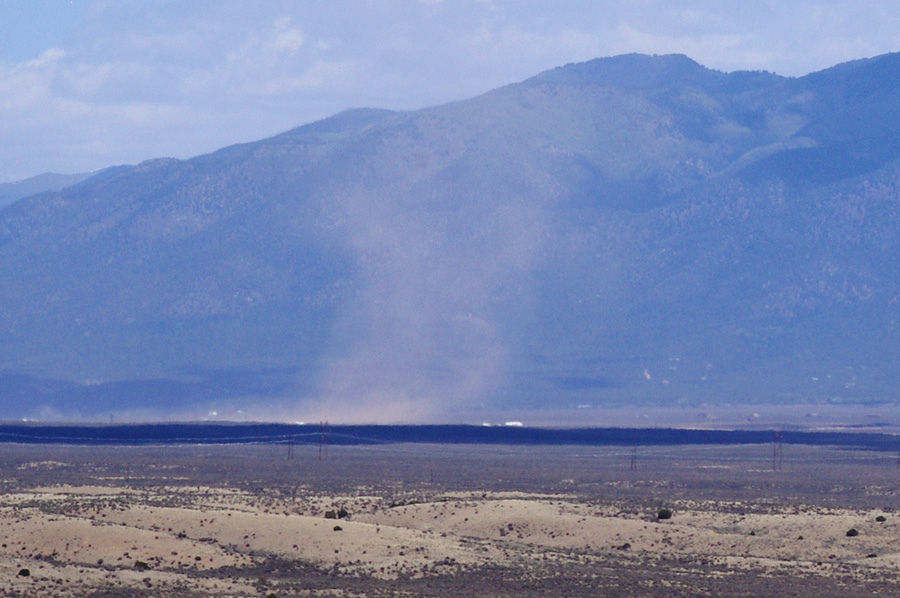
(287, 38)
(49, 58)
(88, 78)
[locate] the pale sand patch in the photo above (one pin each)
(545, 523)
(381, 550)
(48, 465)
(76, 540)
(57, 579)
(704, 532)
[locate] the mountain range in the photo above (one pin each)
(49, 181)
(634, 230)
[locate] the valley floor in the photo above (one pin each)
(414, 520)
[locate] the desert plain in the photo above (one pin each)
(448, 520)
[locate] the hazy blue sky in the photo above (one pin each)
(90, 83)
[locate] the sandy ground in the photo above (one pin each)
(77, 539)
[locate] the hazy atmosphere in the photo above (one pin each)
(449, 298)
(89, 84)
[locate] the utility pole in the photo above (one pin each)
(632, 464)
(323, 440)
(290, 448)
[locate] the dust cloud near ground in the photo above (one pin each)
(414, 520)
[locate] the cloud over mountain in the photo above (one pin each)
(92, 83)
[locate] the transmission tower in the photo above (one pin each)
(777, 451)
(323, 440)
